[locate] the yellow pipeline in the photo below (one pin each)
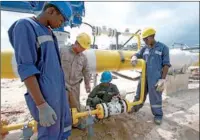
(103, 59)
(143, 80)
(110, 60)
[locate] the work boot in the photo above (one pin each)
(157, 121)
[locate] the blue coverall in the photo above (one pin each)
(156, 58)
(36, 52)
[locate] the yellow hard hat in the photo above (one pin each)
(84, 40)
(148, 32)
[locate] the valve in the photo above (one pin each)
(115, 107)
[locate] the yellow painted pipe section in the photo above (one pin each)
(6, 64)
(105, 60)
(143, 82)
(111, 60)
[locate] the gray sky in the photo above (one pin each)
(174, 21)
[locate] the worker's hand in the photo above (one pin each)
(27, 132)
(47, 115)
(88, 88)
(160, 85)
(134, 60)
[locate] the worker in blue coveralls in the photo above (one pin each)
(39, 67)
(156, 55)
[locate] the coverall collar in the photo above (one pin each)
(154, 46)
(71, 49)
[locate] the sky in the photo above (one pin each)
(173, 21)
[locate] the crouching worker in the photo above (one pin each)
(102, 93)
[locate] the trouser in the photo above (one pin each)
(155, 98)
(74, 96)
(74, 99)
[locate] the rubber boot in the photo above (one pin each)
(157, 121)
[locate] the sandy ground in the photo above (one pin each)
(181, 115)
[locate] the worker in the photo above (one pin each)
(39, 67)
(76, 68)
(156, 55)
(102, 93)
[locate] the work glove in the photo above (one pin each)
(27, 132)
(88, 88)
(160, 85)
(47, 115)
(134, 60)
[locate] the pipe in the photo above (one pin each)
(6, 128)
(143, 80)
(99, 61)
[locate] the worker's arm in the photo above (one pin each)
(139, 54)
(34, 89)
(165, 71)
(26, 57)
(91, 96)
(86, 72)
(86, 75)
(116, 91)
(165, 62)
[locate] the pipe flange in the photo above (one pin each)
(124, 106)
(94, 32)
(105, 110)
